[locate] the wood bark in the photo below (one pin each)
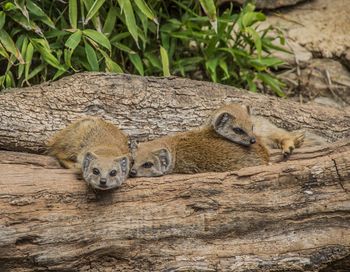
(288, 216)
(144, 107)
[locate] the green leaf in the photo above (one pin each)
(74, 40)
(123, 48)
(273, 83)
(35, 71)
(251, 84)
(153, 60)
(9, 45)
(95, 19)
(137, 62)
(37, 11)
(45, 51)
(2, 19)
(223, 66)
(211, 65)
(267, 62)
(25, 23)
(119, 36)
(55, 34)
(91, 57)
(3, 52)
(267, 44)
(145, 9)
(73, 13)
(256, 38)
(9, 80)
(251, 18)
(165, 61)
(129, 18)
(210, 10)
(2, 80)
(93, 10)
(110, 21)
(58, 74)
(23, 52)
(28, 60)
(98, 37)
(67, 58)
(110, 64)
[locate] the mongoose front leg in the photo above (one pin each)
(69, 164)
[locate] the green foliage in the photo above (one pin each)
(44, 40)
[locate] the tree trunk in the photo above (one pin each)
(290, 216)
(145, 107)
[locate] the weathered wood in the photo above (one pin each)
(145, 107)
(290, 216)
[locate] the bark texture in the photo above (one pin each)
(290, 216)
(144, 107)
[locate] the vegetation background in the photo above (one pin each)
(45, 40)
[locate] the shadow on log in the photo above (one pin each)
(290, 216)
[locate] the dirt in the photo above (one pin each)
(318, 32)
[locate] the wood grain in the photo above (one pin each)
(288, 216)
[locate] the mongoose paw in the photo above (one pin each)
(299, 138)
(289, 144)
(287, 147)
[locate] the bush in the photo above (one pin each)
(44, 40)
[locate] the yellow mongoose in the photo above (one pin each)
(204, 149)
(98, 148)
(235, 131)
(226, 142)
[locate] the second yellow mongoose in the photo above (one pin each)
(204, 149)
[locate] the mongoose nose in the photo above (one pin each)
(103, 181)
(133, 172)
(252, 140)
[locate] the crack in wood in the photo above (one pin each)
(340, 178)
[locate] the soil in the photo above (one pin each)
(318, 32)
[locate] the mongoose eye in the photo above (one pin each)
(95, 171)
(147, 165)
(238, 130)
(113, 173)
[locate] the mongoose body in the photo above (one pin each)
(95, 147)
(203, 149)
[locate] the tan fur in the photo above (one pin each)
(237, 117)
(272, 136)
(205, 151)
(104, 142)
(196, 151)
(275, 137)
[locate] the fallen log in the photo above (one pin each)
(144, 107)
(288, 216)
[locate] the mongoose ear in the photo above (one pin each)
(89, 156)
(248, 108)
(221, 119)
(164, 158)
(124, 164)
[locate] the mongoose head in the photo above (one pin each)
(105, 172)
(233, 122)
(151, 160)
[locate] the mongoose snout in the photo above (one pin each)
(133, 173)
(252, 140)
